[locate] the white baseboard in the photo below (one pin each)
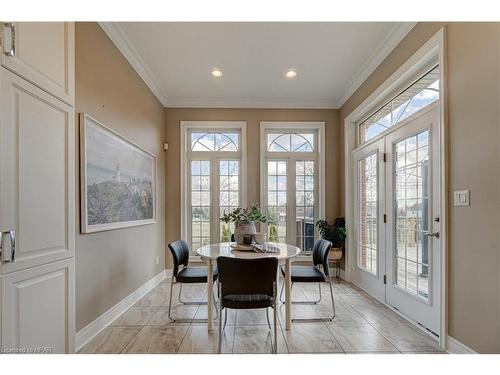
(87, 333)
(454, 346)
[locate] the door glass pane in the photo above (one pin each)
(412, 185)
(200, 203)
(277, 200)
(367, 213)
(228, 194)
(304, 201)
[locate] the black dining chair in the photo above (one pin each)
(318, 272)
(248, 284)
(182, 274)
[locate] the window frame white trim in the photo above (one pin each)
(296, 126)
(185, 128)
(435, 46)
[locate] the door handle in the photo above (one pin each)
(435, 234)
(12, 235)
(12, 51)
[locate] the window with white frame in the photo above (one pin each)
(213, 171)
(423, 92)
(292, 180)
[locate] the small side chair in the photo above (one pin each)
(318, 272)
(248, 284)
(182, 274)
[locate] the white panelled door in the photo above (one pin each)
(397, 213)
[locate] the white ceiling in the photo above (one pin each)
(331, 60)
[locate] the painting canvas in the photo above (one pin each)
(117, 179)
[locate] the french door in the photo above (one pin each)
(370, 208)
(398, 219)
(413, 220)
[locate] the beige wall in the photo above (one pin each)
(110, 265)
(252, 118)
(473, 65)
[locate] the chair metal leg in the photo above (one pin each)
(225, 319)
(267, 317)
(215, 305)
(275, 321)
(281, 293)
(220, 327)
(172, 282)
(170, 298)
(301, 302)
(320, 319)
(189, 302)
(331, 296)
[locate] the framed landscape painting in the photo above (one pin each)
(117, 179)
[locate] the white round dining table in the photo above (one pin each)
(284, 252)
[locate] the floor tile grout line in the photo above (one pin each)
(336, 339)
(375, 328)
(361, 351)
(357, 312)
(185, 334)
(133, 337)
(189, 327)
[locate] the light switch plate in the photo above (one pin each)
(461, 198)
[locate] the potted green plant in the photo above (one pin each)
(335, 233)
(244, 220)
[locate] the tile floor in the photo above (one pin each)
(362, 325)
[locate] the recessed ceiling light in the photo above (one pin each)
(291, 74)
(217, 73)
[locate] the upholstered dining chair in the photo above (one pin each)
(318, 272)
(182, 274)
(248, 284)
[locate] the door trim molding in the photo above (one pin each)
(91, 330)
(435, 46)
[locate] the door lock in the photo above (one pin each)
(435, 234)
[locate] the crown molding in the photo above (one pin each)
(249, 103)
(383, 50)
(118, 37)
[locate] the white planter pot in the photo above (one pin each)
(242, 229)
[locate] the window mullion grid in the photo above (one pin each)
(215, 197)
(291, 201)
(189, 219)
